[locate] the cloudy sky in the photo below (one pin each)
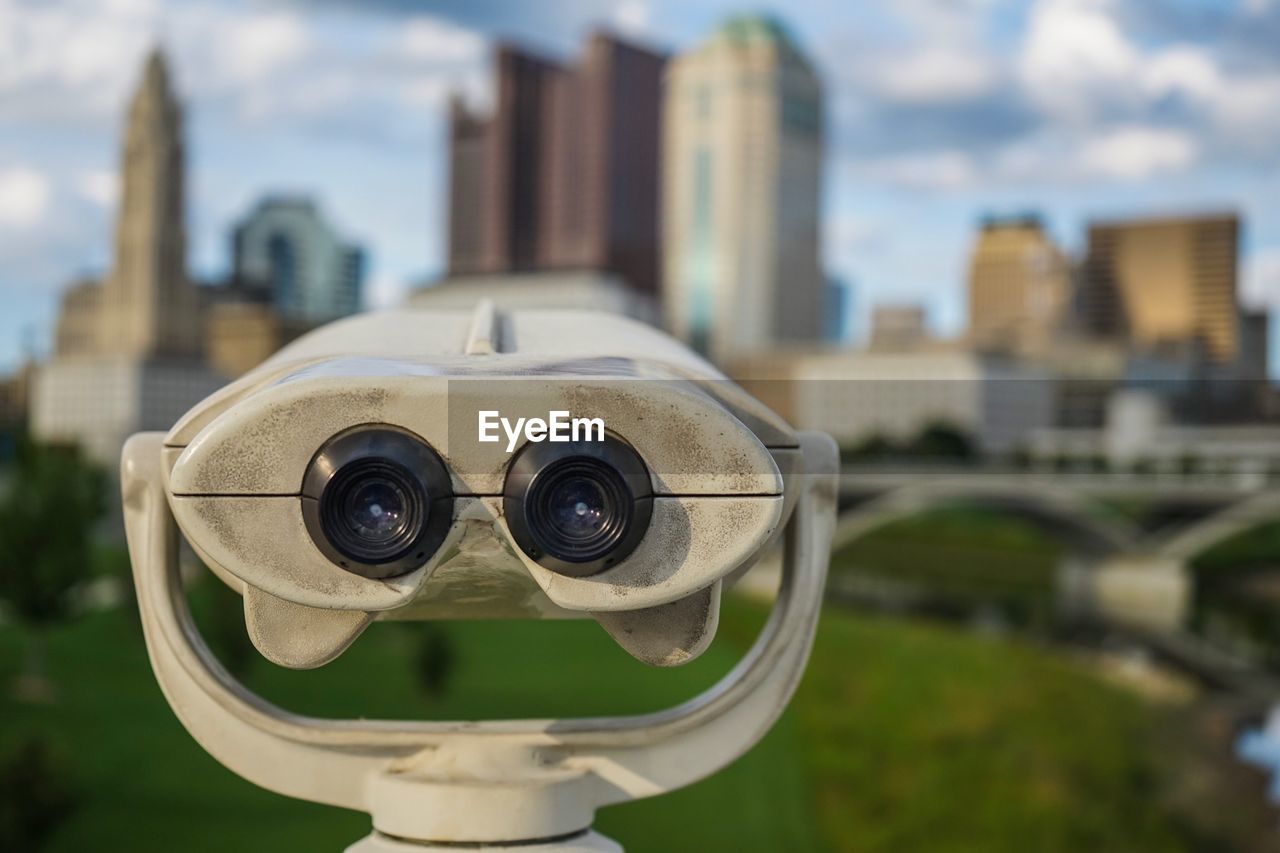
(940, 111)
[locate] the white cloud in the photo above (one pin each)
(70, 61)
(428, 91)
(438, 59)
(436, 42)
(252, 48)
(1053, 158)
(633, 17)
(1241, 107)
(25, 196)
(845, 233)
(934, 52)
(100, 187)
(1084, 74)
(1122, 153)
(1075, 58)
(943, 170)
(945, 19)
(1077, 65)
(75, 61)
(1134, 152)
(932, 75)
(1248, 111)
(1181, 69)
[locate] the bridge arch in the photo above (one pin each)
(1063, 514)
(1238, 518)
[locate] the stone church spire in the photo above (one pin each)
(149, 306)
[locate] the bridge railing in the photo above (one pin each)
(1236, 480)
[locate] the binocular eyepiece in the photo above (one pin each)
(358, 476)
(378, 502)
(480, 465)
(578, 508)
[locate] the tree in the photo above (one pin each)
(50, 503)
(434, 659)
(36, 794)
(873, 448)
(943, 441)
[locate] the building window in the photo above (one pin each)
(800, 115)
(284, 270)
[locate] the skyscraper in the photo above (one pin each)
(1165, 284)
(288, 256)
(130, 350)
(742, 162)
(148, 305)
(1019, 287)
(563, 174)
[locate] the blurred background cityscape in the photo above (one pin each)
(1019, 258)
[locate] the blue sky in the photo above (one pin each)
(939, 111)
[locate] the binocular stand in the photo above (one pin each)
(526, 785)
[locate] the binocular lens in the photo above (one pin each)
(377, 501)
(374, 510)
(579, 508)
(377, 511)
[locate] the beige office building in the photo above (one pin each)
(1166, 283)
(1019, 287)
(742, 172)
(129, 351)
(146, 307)
(79, 326)
(149, 305)
(899, 328)
(855, 396)
(240, 335)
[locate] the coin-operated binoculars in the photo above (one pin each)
(432, 465)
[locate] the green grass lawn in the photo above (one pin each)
(145, 785)
(960, 558)
(904, 737)
(918, 738)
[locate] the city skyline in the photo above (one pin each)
(898, 222)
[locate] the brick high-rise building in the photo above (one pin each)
(1165, 283)
(564, 173)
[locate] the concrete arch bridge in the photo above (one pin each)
(1114, 571)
